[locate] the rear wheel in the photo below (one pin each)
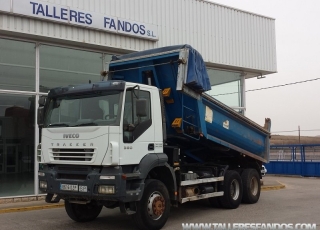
(232, 188)
(153, 209)
(82, 212)
(251, 186)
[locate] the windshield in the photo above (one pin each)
(84, 110)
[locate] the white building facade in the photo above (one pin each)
(49, 43)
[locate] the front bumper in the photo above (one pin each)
(86, 180)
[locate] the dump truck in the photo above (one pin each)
(147, 138)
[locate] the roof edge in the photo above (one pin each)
(234, 8)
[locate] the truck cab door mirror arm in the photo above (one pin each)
(41, 102)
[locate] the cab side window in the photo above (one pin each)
(136, 123)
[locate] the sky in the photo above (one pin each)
(297, 25)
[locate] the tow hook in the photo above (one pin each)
(50, 196)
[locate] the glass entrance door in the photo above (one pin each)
(11, 161)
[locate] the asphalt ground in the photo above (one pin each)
(268, 183)
(297, 203)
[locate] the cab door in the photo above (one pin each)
(137, 125)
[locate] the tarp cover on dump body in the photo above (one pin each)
(197, 76)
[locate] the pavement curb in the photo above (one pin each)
(30, 208)
(273, 187)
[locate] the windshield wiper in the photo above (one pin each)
(86, 124)
(58, 125)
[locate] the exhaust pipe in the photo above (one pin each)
(192, 191)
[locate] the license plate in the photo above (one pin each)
(69, 187)
(83, 188)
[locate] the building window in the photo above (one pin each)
(58, 67)
(63, 66)
(17, 65)
(17, 145)
(226, 87)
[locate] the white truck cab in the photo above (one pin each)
(103, 127)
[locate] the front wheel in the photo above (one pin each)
(232, 188)
(251, 186)
(82, 212)
(154, 207)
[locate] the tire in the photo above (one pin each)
(154, 207)
(82, 212)
(232, 188)
(251, 186)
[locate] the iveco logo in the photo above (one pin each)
(72, 135)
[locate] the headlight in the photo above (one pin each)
(43, 184)
(41, 174)
(106, 189)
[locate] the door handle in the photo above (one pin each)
(151, 147)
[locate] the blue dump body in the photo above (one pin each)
(204, 119)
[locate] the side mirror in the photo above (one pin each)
(141, 107)
(42, 101)
(40, 116)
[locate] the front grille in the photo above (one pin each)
(75, 155)
(73, 168)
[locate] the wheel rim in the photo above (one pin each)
(156, 205)
(235, 189)
(254, 186)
